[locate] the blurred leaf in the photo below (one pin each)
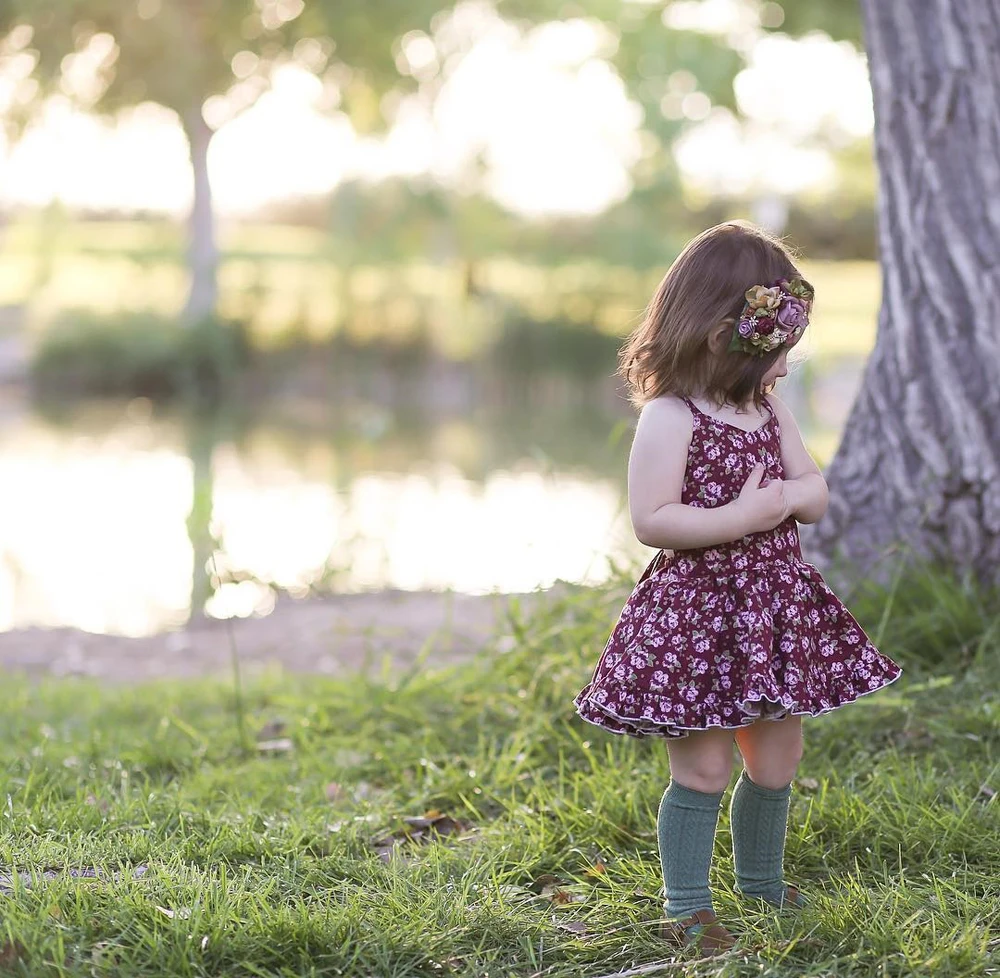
(181, 913)
(272, 729)
(100, 804)
(283, 744)
(12, 953)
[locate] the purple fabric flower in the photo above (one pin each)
(746, 328)
(792, 313)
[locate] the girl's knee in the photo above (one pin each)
(777, 768)
(709, 771)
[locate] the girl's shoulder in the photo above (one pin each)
(666, 415)
(780, 410)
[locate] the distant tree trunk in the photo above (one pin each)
(918, 470)
(203, 252)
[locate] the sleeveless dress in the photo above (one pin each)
(722, 636)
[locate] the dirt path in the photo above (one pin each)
(330, 636)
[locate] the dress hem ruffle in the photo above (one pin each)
(646, 727)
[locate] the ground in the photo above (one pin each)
(332, 636)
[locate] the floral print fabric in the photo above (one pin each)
(724, 635)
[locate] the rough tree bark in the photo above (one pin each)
(203, 252)
(918, 470)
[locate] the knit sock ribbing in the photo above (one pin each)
(759, 819)
(685, 828)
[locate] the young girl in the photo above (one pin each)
(728, 634)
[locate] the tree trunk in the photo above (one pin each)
(203, 252)
(918, 471)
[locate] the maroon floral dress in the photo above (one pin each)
(724, 635)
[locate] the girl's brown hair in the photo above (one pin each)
(669, 352)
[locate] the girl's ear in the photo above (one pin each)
(720, 336)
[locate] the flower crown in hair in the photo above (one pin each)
(772, 316)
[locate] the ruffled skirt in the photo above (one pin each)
(723, 650)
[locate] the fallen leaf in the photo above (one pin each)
(508, 892)
(807, 784)
(598, 869)
(435, 822)
(100, 804)
(275, 746)
(552, 888)
(11, 954)
(544, 882)
(573, 926)
(640, 895)
(985, 791)
(105, 954)
(419, 829)
(272, 729)
(181, 913)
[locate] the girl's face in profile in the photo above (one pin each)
(778, 370)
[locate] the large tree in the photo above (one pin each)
(918, 470)
(193, 55)
(917, 473)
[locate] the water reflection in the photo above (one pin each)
(122, 520)
(113, 517)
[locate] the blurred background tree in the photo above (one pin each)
(208, 61)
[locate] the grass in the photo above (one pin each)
(272, 862)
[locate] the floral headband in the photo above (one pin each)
(772, 316)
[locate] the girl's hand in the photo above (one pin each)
(762, 507)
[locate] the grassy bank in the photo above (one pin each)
(292, 282)
(531, 850)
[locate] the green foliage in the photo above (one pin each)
(841, 19)
(138, 355)
(526, 347)
(267, 861)
(180, 54)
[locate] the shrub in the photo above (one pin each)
(138, 355)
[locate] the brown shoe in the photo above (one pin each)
(701, 930)
(791, 899)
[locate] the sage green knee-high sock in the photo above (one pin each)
(685, 827)
(759, 819)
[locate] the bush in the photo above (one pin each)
(556, 345)
(138, 355)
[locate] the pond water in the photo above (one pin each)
(120, 519)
